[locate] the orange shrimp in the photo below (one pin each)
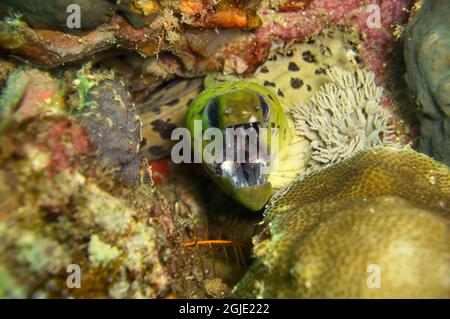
(211, 243)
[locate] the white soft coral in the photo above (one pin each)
(344, 117)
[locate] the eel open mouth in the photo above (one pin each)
(243, 173)
(245, 159)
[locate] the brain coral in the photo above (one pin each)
(328, 231)
(427, 44)
(344, 117)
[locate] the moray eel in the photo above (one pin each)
(264, 100)
(245, 105)
(232, 104)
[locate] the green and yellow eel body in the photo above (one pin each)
(243, 104)
(265, 99)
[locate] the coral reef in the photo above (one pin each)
(177, 30)
(61, 206)
(111, 122)
(82, 111)
(5, 68)
(42, 236)
(139, 12)
(427, 43)
(54, 13)
(344, 117)
(28, 94)
(183, 34)
(384, 208)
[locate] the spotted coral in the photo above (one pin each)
(344, 117)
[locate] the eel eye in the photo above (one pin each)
(210, 113)
(264, 107)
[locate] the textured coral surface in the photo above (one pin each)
(62, 205)
(384, 207)
(202, 50)
(427, 57)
